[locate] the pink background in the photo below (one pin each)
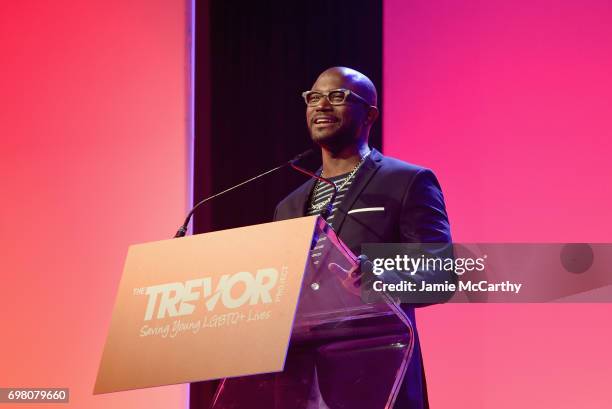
(94, 157)
(509, 103)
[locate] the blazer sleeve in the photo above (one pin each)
(423, 217)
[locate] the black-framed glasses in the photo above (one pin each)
(335, 97)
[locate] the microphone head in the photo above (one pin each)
(302, 155)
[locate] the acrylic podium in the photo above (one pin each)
(301, 337)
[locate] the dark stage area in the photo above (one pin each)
(253, 60)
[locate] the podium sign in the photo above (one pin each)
(185, 306)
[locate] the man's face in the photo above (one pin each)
(335, 126)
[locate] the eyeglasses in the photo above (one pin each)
(335, 97)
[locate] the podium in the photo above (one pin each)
(264, 310)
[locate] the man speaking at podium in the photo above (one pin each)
(379, 199)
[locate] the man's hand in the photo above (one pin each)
(351, 278)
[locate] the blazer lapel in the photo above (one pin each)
(363, 176)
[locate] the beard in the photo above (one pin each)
(334, 140)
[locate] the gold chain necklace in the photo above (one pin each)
(319, 206)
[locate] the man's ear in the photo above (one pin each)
(372, 116)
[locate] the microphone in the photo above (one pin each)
(183, 229)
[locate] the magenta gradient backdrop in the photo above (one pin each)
(509, 103)
(94, 157)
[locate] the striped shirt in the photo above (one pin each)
(322, 193)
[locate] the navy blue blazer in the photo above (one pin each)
(389, 201)
(410, 196)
